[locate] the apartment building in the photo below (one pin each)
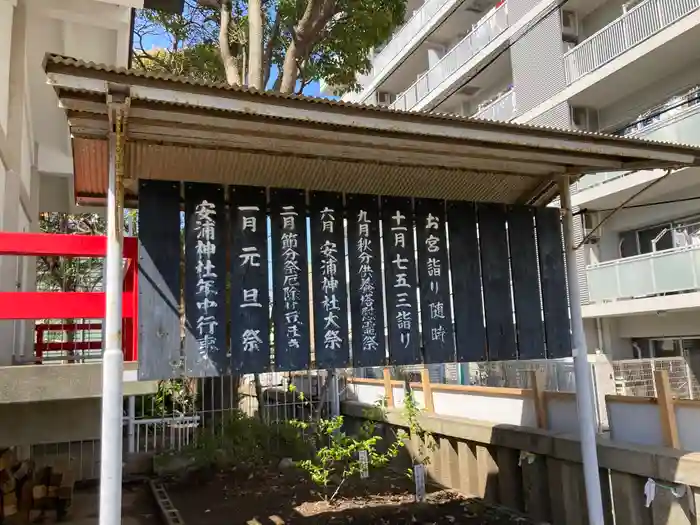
(629, 68)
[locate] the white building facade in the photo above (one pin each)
(623, 67)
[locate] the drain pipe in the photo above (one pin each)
(112, 359)
(582, 370)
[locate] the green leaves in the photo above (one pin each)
(338, 460)
(336, 51)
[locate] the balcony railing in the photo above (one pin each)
(421, 19)
(646, 275)
(485, 31)
(680, 124)
(636, 25)
(502, 109)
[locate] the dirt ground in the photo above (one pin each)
(270, 496)
(138, 507)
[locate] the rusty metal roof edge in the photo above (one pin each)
(53, 62)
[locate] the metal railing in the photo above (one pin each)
(680, 124)
(421, 20)
(502, 109)
(485, 31)
(636, 25)
(645, 275)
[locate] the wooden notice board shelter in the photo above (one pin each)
(452, 252)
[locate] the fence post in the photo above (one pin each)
(388, 390)
(669, 428)
(539, 399)
(427, 390)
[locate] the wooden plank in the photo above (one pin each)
(555, 304)
(290, 279)
(667, 413)
(555, 480)
(400, 271)
(366, 286)
(573, 493)
(250, 323)
(330, 295)
(205, 281)
(159, 280)
(526, 287)
(500, 331)
(470, 330)
(434, 281)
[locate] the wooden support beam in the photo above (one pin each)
(388, 388)
(669, 428)
(539, 399)
(427, 390)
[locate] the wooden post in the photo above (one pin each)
(388, 389)
(539, 399)
(427, 390)
(667, 412)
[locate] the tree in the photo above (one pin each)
(281, 45)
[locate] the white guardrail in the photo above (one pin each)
(502, 109)
(645, 275)
(636, 25)
(485, 31)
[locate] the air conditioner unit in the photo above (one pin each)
(569, 25)
(385, 99)
(584, 119)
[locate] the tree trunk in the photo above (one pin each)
(289, 69)
(233, 76)
(255, 44)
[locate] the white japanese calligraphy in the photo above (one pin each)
(205, 269)
(436, 307)
(291, 287)
(368, 314)
(332, 337)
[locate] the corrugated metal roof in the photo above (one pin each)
(183, 129)
(61, 60)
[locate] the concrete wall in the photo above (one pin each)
(599, 18)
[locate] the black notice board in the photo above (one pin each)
(526, 288)
(555, 303)
(290, 279)
(250, 293)
(330, 297)
(159, 280)
(366, 292)
(500, 331)
(433, 273)
(470, 328)
(400, 272)
(205, 280)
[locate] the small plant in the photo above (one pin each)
(338, 460)
(426, 441)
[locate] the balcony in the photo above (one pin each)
(502, 109)
(420, 25)
(677, 120)
(633, 27)
(485, 32)
(647, 275)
